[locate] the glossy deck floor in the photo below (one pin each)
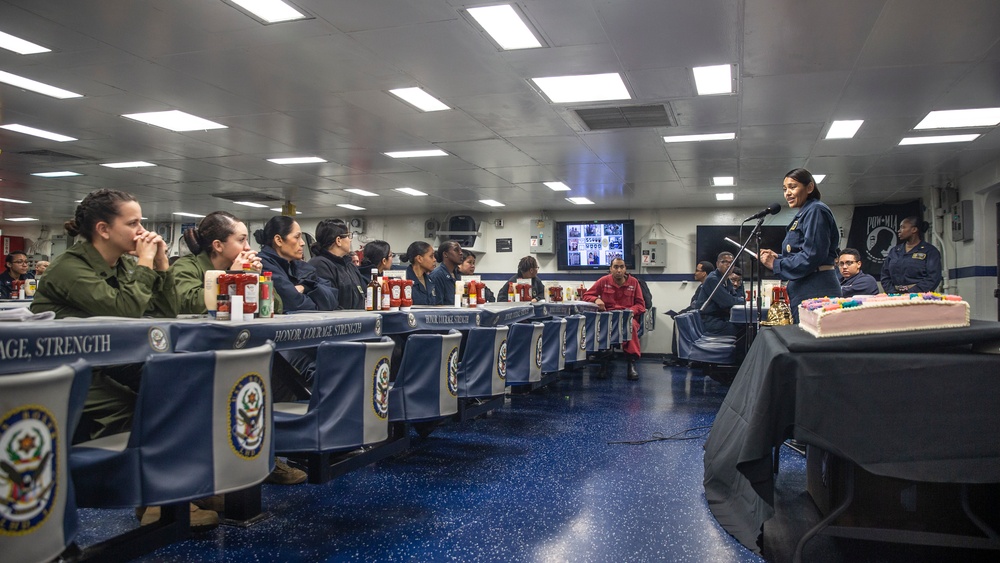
(534, 481)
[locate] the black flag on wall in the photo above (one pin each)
(873, 232)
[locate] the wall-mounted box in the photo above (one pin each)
(542, 232)
(653, 253)
(961, 220)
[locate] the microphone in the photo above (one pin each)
(772, 209)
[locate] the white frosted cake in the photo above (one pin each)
(880, 314)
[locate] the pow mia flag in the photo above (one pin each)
(873, 232)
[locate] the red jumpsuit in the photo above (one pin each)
(625, 296)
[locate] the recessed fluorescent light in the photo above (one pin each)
(955, 118)
(818, 177)
(278, 210)
(845, 129)
(723, 181)
(271, 11)
(727, 196)
(716, 79)
(20, 46)
(351, 207)
(8, 200)
(249, 203)
(358, 191)
(133, 164)
(57, 174)
(35, 86)
(20, 219)
(583, 88)
(705, 137)
(579, 201)
(297, 160)
(415, 154)
(37, 132)
(419, 99)
(491, 203)
(939, 139)
(410, 191)
(505, 26)
(557, 186)
(175, 120)
(183, 214)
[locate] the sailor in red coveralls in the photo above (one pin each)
(619, 290)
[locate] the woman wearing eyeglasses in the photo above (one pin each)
(17, 270)
(332, 260)
(378, 255)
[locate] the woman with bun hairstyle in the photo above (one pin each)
(377, 254)
(219, 242)
(420, 255)
(912, 265)
(332, 260)
(295, 281)
(98, 276)
(810, 249)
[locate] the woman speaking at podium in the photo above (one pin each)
(809, 250)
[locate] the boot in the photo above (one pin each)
(201, 520)
(633, 375)
(602, 372)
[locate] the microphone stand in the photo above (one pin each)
(755, 234)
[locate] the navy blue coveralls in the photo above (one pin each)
(920, 267)
(810, 244)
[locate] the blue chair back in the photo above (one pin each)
(426, 385)
(576, 338)
(349, 405)
(39, 413)
(483, 371)
(202, 426)
(554, 345)
(524, 360)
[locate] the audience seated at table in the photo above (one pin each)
(527, 268)
(852, 280)
(377, 254)
(332, 260)
(295, 281)
(17, 270)
(219, 242)
(468, 268)
(448, 256)
(420, 255)
(715, 315)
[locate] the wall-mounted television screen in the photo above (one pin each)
(711, 240)
(592, 245)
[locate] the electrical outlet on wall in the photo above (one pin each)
(498, 223)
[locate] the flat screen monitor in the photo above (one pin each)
(592, 245)
(711, 240)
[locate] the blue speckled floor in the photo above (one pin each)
(534, 481)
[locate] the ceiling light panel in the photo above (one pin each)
(35, 86)
(359, 191)
(415, 154)
(20, 46)
(583, 88)
(726, 196)
(956, 118)
(250, 204)
(270, 11)
(723, 181)
(278, 210)
(557, 186)
(175, 120)
(844, 129)
(419, 99)
(133, 164)
(717, 79)
(505, 26)
(37, 132)
(185, 214)
(819, 178)
(491, 203)
(351, 206)
(8, 200)
(20, 219)
(579, 201)
(410, 191)
(703, 137)
(297, 160)
(939, 139)
(56, 174)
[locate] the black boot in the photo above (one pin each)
(633, 375)
(602, 372)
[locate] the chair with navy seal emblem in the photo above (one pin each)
(40, 411)
(576, 339)
(553, 345)
(524, 355)
(348, 407)
(482, 374)
(202, 426)
(426, 387)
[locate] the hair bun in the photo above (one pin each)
(258, 236)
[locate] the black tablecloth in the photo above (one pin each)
(916, 405)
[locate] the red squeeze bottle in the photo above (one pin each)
(396, 294)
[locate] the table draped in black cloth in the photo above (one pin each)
(915, 405)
